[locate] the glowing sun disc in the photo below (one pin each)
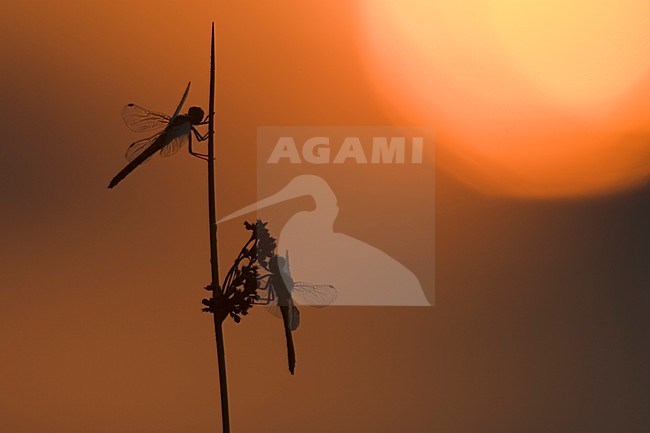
(527, 98)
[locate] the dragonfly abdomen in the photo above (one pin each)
(160, 142)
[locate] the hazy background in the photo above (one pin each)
(541, 303)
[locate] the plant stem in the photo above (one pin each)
(214, 258)
(223, 385)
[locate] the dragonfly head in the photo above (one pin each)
(196, 115)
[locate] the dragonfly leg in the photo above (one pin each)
(269, 297)
(192, 152)
(198, 135)
(206, 120)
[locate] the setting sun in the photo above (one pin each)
(533, 99)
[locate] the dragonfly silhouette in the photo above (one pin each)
(178, 129)
(279, 290)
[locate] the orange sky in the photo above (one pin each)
(531, 99)
(538, 302)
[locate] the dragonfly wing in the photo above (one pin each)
(294, 318)
(140, 119)
(315, 295)
(137, 147)
(274, 310)
(180, 104)
(174, 146)
(294, 315)
(269, 303)
(268, 300)
(286, 277)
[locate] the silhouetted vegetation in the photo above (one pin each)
(238, 293)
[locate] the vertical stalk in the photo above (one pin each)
(214, 259)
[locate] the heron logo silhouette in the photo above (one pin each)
(362, 273)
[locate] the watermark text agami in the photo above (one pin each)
(321, 150)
